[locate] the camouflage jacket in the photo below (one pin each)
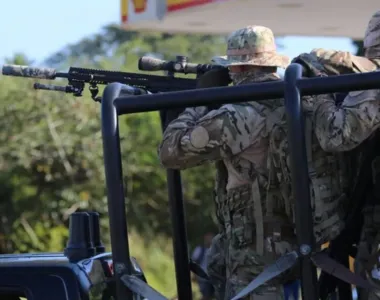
(234, 133)
(251, 139)
(334, 62)
(343, 127)
(327, 175)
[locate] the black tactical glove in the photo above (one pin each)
(214, 78)
(310, 65)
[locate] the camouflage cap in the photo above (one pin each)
(372, 33)
(252, 45)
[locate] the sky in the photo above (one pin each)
(39, 28)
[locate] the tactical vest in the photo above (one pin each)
(250, 216)
(220, 192)
(327, 183)
(247, 215)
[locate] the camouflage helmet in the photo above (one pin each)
(372, 33)
(252, 45)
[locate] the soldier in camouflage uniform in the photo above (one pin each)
(345, 126)
(255, 205)
(333, 62)
(236, 134)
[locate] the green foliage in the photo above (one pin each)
(157, 262)
(156, 259)
(51, 160)
(118, 49)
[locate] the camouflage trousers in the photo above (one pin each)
(367, 257)
(234, 260)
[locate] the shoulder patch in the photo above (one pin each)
(199, 137)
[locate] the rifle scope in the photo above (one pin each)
(147, 63)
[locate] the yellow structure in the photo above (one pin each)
(285, 17)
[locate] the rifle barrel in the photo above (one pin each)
(26, 71)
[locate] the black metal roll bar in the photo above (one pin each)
(114, 105)
(177, 210)
(300, 181)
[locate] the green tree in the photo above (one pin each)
(53, 146)
(128, 46)
(51, 155)
(122, 50)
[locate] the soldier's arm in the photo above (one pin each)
(342, 128)
(193, 139)
(334, 62)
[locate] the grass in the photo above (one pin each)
(156, 260)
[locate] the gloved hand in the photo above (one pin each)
(310, 65)
(214, 78)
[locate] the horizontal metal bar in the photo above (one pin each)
(199, 97)
(341, 83)
(248, 92)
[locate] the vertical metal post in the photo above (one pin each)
(300, 182)
(178, 218)
(329, 285)
(115, 189)
(344, 289)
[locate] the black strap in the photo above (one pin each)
(332, 267)
(320, 259)
(197, 270)
(195, 264)
(329, 283)
(141, 288)
(201, 255)
(283, 264)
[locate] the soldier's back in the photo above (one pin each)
(257, 227)
(327, 176)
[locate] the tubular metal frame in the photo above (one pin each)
(114, 105)
(178, 216)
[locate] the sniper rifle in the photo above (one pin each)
(78, 77)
